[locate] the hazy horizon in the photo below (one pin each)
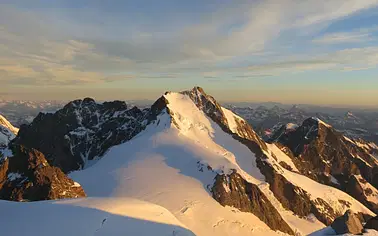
(151, 100)
(292, 52)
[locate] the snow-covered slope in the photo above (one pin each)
(88, 217)
(6, 124)
(162, 165)
(7, 133)
(196, 168)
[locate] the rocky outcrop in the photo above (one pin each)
(294, 198)
(81, 131)
(27, 176)
(326, 156)
(372, 223)
(364, 192)
(233, 190)
(349, 223)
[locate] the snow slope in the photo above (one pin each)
(162, 166)
(5, 123)
(7, 133)
(88, 217)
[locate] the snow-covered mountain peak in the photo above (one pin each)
(7, 133)
(197, 100)
(6, 124)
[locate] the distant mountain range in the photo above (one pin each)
(354, 124)
(186, 166)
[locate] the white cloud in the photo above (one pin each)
(40, 51)
(361, 35)
(344, 37)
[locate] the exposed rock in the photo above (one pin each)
(364, 192)
(348, 223)
(27, 176)
(372, 223)
(233, 190)
(326, 156)
(294, 198)
(81, 131)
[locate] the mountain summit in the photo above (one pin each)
(7, 131)
(184, 166)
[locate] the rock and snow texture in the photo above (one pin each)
(81, 131)
(7, 132)
(186, 147)
(167, 164)
(26, 176)
(5, 123)
(325, 155)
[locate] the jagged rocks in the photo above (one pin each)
(348, 223)
(360, 189)
(326, 156)
(294, 198)
(27, 176)
(372, 223)
(82, 131)
(233, 190)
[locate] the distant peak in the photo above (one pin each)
(199, 89)
(313, 120)
(88, 100)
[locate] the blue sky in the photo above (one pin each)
(291, 51)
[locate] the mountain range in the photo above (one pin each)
(354, 124)
(184, 166)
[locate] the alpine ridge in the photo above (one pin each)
(7, 131)
(188, 166)
(327, 156)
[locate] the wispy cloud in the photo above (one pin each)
(38, 49)
(361, 35)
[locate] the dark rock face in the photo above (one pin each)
(27, 176)
(372, 223)
(326, 156)
(233, 190)
(348, 223)
(356, 187)
(83, 130)
(295, 198)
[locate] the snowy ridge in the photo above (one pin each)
(5, 123)
(196, 126)
(163, 167)
(7, 133)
